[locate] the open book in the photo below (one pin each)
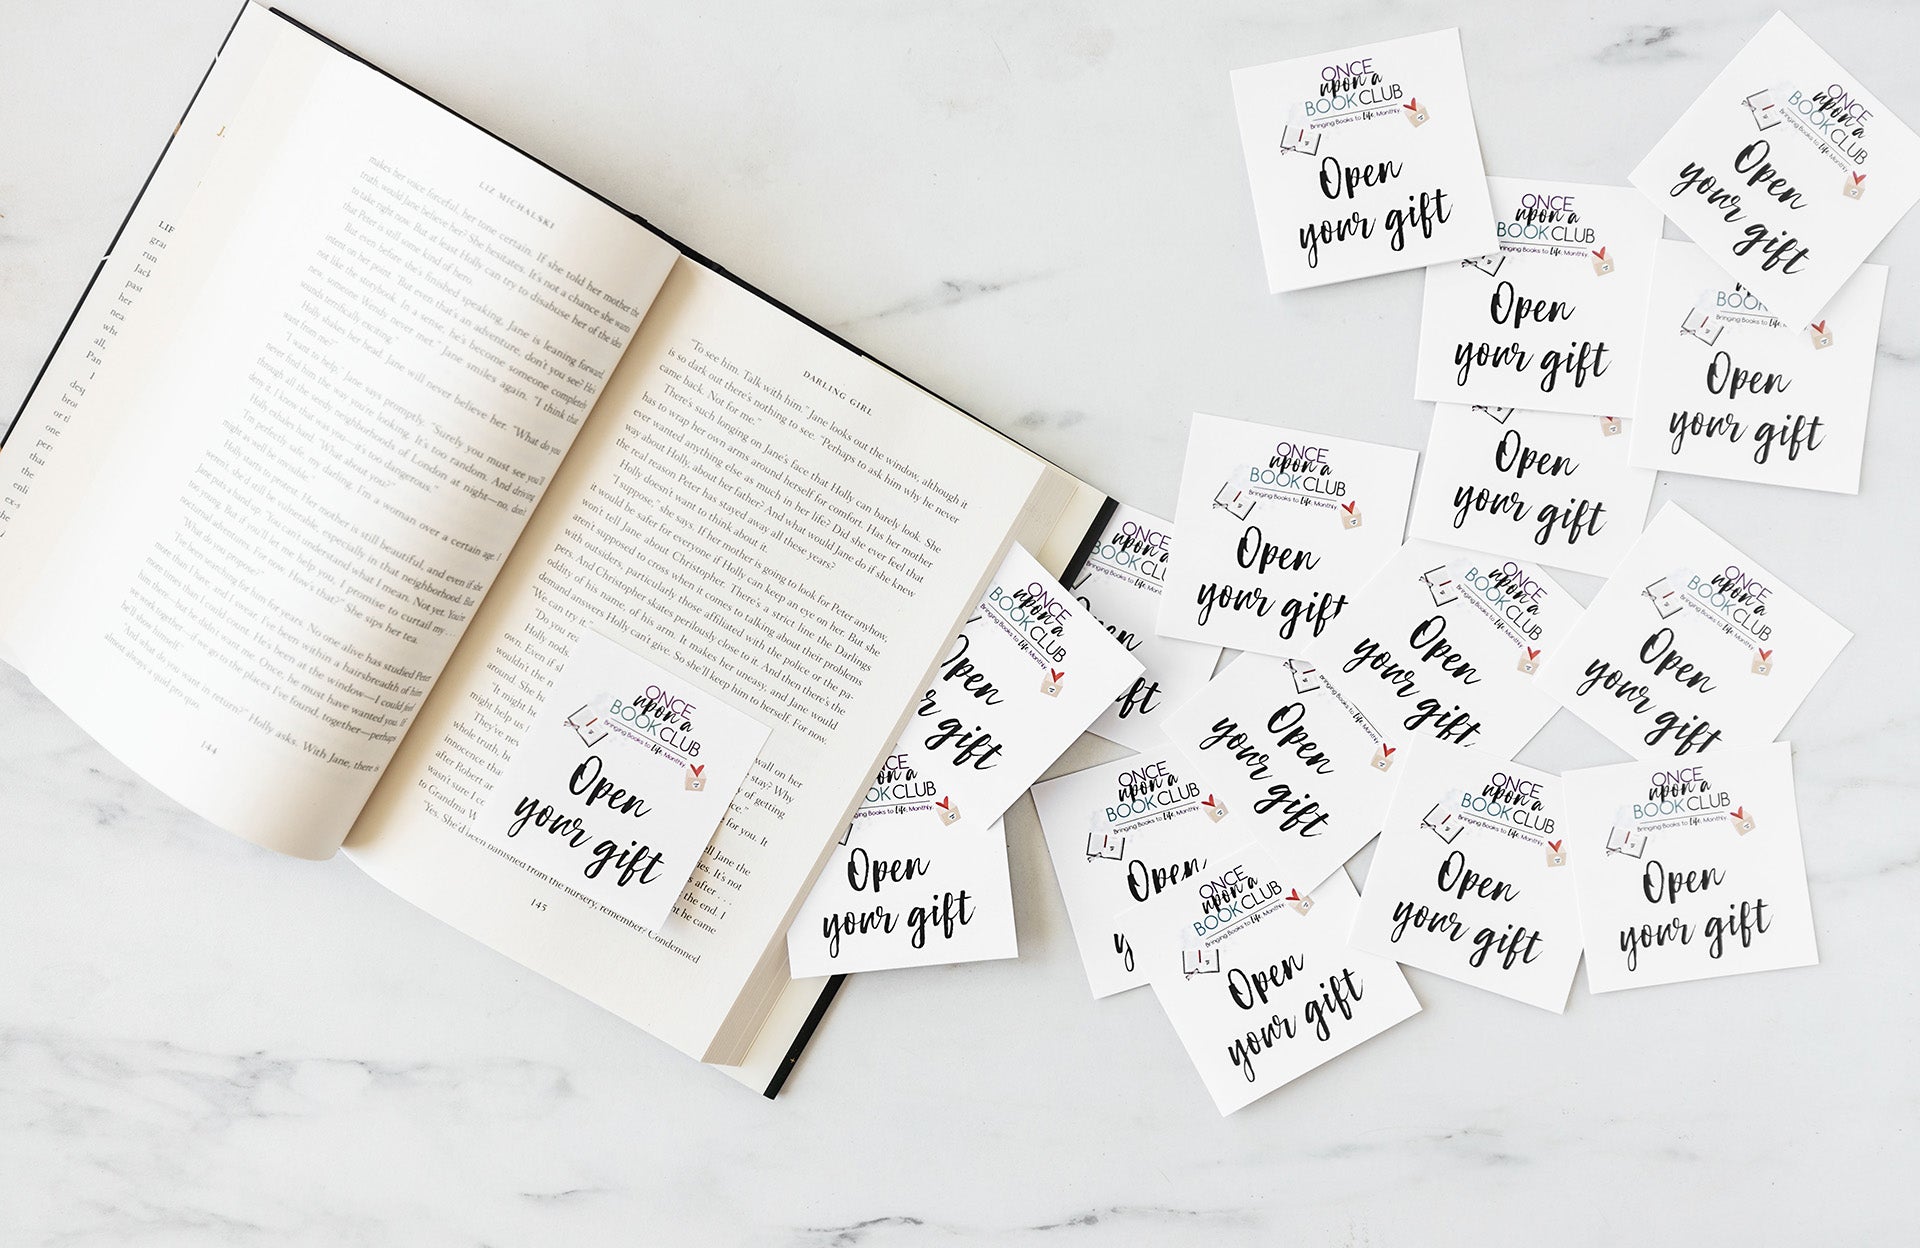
(366, 416)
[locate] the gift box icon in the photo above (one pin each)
(1529, 662)
(1556, 854)
(1350, 517)
(1762, 664)
(1441, 586)
(949, 813)
(1855, 186)
(1416, 113)
(1821, 335)
(1743, 822)
(1305, 679)
(1298, 901)
(1215, 808)
(1050, 683)
(1602, 265)
(1383, 757)
(1701, 323)
(1199, 961)
(694, 780)
(1766, 114)
(1610, 426)
(1108, 845)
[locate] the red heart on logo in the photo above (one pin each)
(1346, 506)
(1532, 653)
(1602, 253)
(1820, 327)
(1766, 654)
(1412, 106)
(696, 768)
(1209, 800)
(1058, 675)
(1741, 813)
(943, 803)
(1293, 894)
(1387, 750)
(1858, 178)
(1554, 846)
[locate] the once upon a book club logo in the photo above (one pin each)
(1833, 117)
(1550, 217)
(1134, 549)
(1296, 473)
(1507, 805)
(1037, 618)
(1676, 797)
(1732, 600)
(1143, 794)
(1360, 86)
(656, 719)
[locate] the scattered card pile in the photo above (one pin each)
(1386, 685)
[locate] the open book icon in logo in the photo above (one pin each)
(1664, 597)
(1701, 323)
(587, 727)
(1500, 415)
(1766, 114)
(1442, 822)
(1488, 264)
(1441, 585)
(1298, 138)
(1108, 845)
(1306, 679)
(1199, 961)
(1624, 838)
(1239, 504)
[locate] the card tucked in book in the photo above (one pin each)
(368, 419)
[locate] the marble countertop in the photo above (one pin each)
(1039, 211)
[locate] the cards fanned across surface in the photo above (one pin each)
(1121, 584)
(621, 781)
(1470, 879)
(1278, 528)
(1120, 834)
(905, 888)
(1786, 171)
(1728, 389)
(1553, 318)
(1363, 161)
(1256, 975)
(1445, 645)
(1533, 485)
(1284, 760)
(1689, 870)
(1689, 646)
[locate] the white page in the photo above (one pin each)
(1446, 645)
(1730, 390)
(1278, 529)
(1532, 485)
(340, 429)
(1691, 645)
(1363, 160)
(1120, 834)
(1691, 869)
(1786, 171)
(1471, 878)
(1551, 320)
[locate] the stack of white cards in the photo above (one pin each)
(1386, 685)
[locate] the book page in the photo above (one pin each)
(771, 516)
(326, 424)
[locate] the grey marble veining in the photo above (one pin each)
(1040, 212)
